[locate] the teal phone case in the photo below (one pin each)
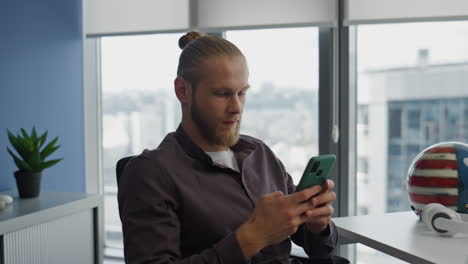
(317, 171)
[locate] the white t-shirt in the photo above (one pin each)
(224, 158)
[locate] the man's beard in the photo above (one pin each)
(209, 130)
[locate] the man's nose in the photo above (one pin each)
(235, 104)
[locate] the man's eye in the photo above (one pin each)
(222, 94)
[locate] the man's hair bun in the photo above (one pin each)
(196, 47)
(187, 38)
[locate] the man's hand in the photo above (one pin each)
(322, 210)
(276, 217)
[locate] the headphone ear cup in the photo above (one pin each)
(434, 212)
(428, 210)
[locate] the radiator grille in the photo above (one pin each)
(69, 240)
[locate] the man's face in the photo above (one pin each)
(218, 99)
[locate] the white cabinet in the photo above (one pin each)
(55, 228)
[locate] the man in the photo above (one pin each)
(210, 195)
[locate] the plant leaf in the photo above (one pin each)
(19, 146)
(35, 161)
(42, 139)
(29, 147)
(21, 164)
(13, 140)
(49, 149)
(25, 134)
(26, 139)
(10, 135)
(34, 139)
(33, 134)
(50, 163)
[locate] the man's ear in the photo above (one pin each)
(183, 90)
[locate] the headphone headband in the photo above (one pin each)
(451, 226)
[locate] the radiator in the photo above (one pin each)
(66, 240)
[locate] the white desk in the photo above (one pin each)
(403, 236)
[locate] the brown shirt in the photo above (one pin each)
(177, 206)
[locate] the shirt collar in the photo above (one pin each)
(241, 149)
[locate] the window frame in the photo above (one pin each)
(93, 135)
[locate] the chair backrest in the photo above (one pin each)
(119, 168)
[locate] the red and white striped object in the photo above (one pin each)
(433, 178)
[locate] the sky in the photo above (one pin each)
(150, 61)
(391, 45)
(287, 58)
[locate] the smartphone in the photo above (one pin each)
(317, 171)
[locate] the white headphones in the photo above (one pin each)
(443, 220)
(5, 200)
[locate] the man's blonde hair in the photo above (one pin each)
(197, 46)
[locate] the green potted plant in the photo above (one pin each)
(30, 159)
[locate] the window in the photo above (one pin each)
(395, 120)
(414, 121)
(282, 103)
(363, 119)
(411, 82)
(363, 165)
(363, 115)
(139, 109)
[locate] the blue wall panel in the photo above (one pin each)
(41, 84)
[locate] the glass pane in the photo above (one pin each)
(412, 85)
(282, 103)
(138, 109)
(137, 76)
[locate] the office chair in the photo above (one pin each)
(119, 169)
